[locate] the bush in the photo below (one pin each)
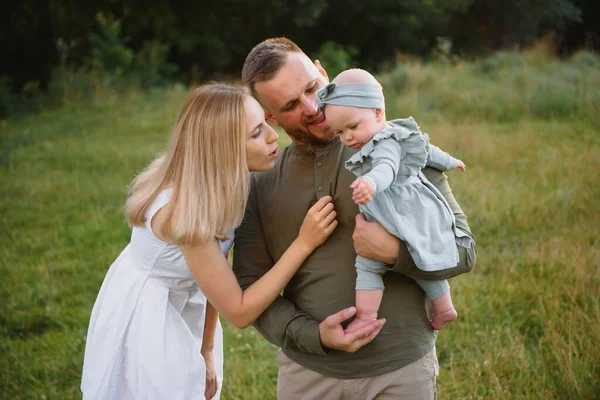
(7, 98)
(399, 78)
(151, 67)
(335, 58)
(110, 57)
(70, 85)
(586, 59)
(499, 62)
(30, 98)
(111, 67)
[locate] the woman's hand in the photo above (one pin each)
(211, 384)
(318, 224)
(217, 281)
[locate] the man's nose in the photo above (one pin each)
(310, 105)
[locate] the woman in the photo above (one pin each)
(154, 331)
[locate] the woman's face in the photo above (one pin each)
(261, 142)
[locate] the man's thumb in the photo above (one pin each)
(341, 316)
(360, 217)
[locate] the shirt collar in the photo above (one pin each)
(311, 149)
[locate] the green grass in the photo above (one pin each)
(529, 314)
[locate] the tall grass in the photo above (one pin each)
(505, 87)
(529, 314)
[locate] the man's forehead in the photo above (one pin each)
(289, 82)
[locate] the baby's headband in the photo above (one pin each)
(361, 95)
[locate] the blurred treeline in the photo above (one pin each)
(54, 51)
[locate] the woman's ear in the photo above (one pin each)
(321, 69)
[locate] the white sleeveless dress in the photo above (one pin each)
(147, 324)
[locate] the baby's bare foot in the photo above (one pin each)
(440, 320)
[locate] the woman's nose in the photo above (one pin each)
(273, 136)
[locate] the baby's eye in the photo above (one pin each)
(353, 126)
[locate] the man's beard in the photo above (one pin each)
(305, 136)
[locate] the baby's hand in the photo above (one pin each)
(363, 191)
(461, 165)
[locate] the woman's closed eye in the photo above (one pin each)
(257, 133)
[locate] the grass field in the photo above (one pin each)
(526, 125)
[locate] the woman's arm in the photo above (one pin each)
(210, 325)
(208, 344)
(216, 279)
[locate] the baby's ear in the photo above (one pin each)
(379, 114)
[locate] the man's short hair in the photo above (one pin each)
(265, 60)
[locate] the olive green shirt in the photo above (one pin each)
(324, 285)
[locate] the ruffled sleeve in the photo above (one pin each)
(405, 131)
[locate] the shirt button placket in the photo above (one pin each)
(319, 178)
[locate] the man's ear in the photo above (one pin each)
(321, 69)
(270, 119)
(379, 115)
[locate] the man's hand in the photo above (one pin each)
(333, 336)
(372, 241)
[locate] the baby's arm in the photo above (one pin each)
(385, 159)
(440, 160)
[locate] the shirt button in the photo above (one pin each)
(319, 163)
(320, 188)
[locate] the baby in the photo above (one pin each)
(392, 190)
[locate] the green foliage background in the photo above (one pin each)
(207, 39)
(527, 126)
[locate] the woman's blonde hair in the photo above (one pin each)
(205, 168)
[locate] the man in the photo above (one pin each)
(318, 359)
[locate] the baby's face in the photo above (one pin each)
(355, 126)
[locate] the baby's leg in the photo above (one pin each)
(439, 294)
(369, 291)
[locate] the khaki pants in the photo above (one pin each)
(415, 381)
